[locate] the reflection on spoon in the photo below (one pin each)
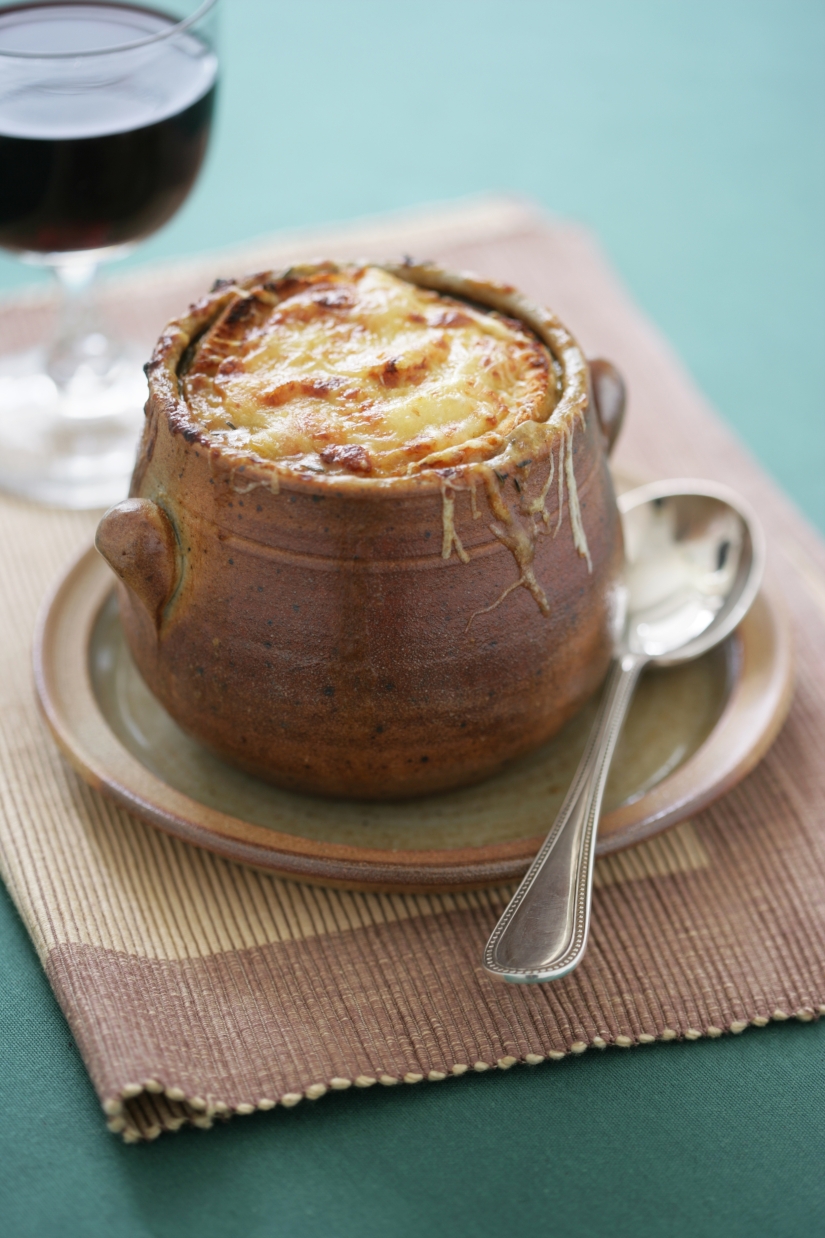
(694, 560)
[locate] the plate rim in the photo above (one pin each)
(757, 704)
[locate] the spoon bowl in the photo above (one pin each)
(694, 557)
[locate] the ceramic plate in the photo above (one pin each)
(692, 733)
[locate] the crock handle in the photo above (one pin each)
(609, 395)
(137, 540)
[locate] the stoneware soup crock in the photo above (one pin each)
(368, 637)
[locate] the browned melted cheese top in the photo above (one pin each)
(354, 370)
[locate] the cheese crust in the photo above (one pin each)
(353, 370)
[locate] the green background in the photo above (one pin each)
(690, 137)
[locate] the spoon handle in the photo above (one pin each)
(543, 932)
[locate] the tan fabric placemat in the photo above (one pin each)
(197, 988)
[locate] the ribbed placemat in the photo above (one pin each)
(198, 988)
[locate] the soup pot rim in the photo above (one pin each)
(528, 442)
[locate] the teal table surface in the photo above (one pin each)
(691, 138)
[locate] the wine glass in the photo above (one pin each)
(105, 113)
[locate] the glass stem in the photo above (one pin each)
(79, 349)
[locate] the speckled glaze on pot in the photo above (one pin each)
(363, 637)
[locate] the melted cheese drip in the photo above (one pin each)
(358, 371)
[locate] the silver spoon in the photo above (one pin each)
(694, 554)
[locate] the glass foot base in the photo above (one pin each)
(69, 445)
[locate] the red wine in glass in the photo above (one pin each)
(105, 113)
(84, 169)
